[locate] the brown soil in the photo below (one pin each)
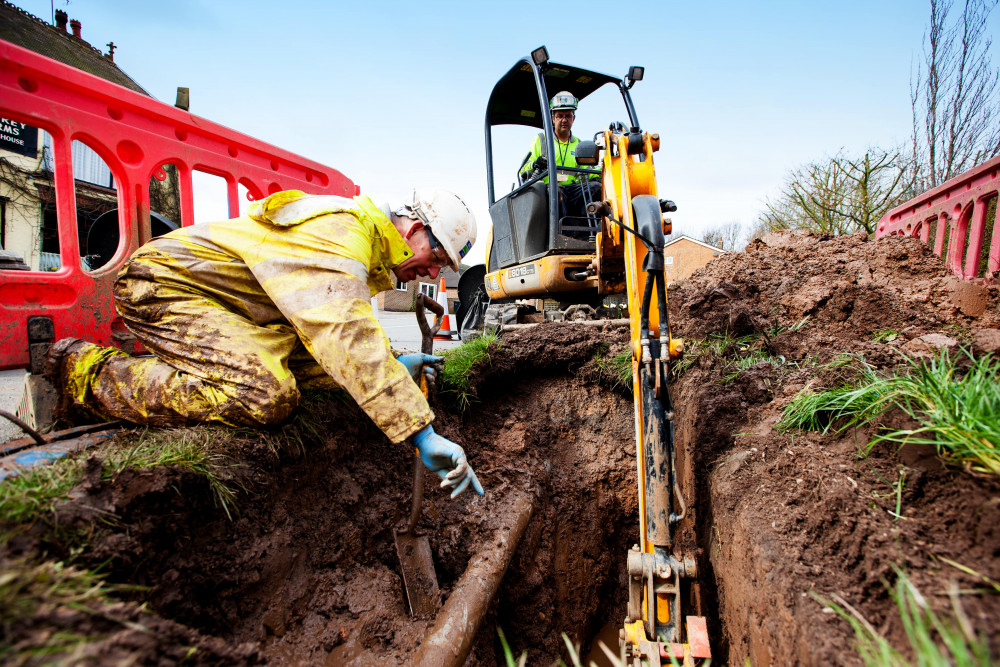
(782, 515)
(306, 573)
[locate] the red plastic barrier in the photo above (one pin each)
(955, 211)
(135, 135)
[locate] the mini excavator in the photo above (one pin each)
(615, 248)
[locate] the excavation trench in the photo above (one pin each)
(306, 572)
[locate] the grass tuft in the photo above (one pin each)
(508, 655)
(454, 378)
(956, 410)
(617, 368)
(934, 640)
(740, 353)
(49, 588)
(201, 451)
(885, 335)
(36, 491)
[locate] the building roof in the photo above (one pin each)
(683, 237)
(30, 32)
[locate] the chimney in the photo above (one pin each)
(61, 19)
(77, 27)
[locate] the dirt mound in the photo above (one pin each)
(846, 285)
(780, 515)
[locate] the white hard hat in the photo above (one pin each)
(447, 217)
(563, 100)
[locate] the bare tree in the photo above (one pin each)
(727, 236)
(840, 195)
(955, 96)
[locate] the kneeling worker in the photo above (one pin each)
(242, 312)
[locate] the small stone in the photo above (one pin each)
(986, 340)
(929, 344)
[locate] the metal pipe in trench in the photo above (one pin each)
(448, 642)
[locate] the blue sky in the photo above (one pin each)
(393, 94)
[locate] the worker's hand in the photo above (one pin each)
(540, 165)
(414, 362)
(446, 459)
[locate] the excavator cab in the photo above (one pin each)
(533, 250)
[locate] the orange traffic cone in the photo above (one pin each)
(442, 298)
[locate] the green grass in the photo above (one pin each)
(957, 412)
(454, 378)
(36, 491)
(934, 640)
(617, 368)
(50, 588)
(748, 361)
(885, 335)
(716, 344)
(957, 409)
(201, 451)
(843, 406)
(34, 494)
(574, 654)
(739, 352)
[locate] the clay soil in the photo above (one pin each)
(305, 572)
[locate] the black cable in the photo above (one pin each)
(24, 427)
(646, 242)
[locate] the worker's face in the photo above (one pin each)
(562, 122)
(426, 261)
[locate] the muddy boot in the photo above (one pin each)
(45, 402)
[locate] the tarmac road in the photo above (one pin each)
(402, 329)
(11, 384)
(404, 333)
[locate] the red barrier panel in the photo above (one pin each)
(135, 136)
(955, 213)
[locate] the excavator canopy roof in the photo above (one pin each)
(514, 100)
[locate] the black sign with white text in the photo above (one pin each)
(18, 138)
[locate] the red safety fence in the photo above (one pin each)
(139, 141)
(953, 217)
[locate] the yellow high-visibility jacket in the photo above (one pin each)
(313, 261)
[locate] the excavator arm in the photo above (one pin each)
(657, 628)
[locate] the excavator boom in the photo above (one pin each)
(616, 247)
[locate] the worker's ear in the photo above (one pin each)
(415, 227)
(406, 226)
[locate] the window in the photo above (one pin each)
(428, 289)
(670, 260)
(402, 287)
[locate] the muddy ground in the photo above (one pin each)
(305, 572)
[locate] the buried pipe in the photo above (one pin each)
(449, 640)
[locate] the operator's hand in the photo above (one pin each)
(414, 362)
(446, 459)
(540, 165)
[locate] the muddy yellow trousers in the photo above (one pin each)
(210, 364)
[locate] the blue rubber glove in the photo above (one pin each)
(447, 459)
(414, 362)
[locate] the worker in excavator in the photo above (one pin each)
(562, 107)
(240, 314)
